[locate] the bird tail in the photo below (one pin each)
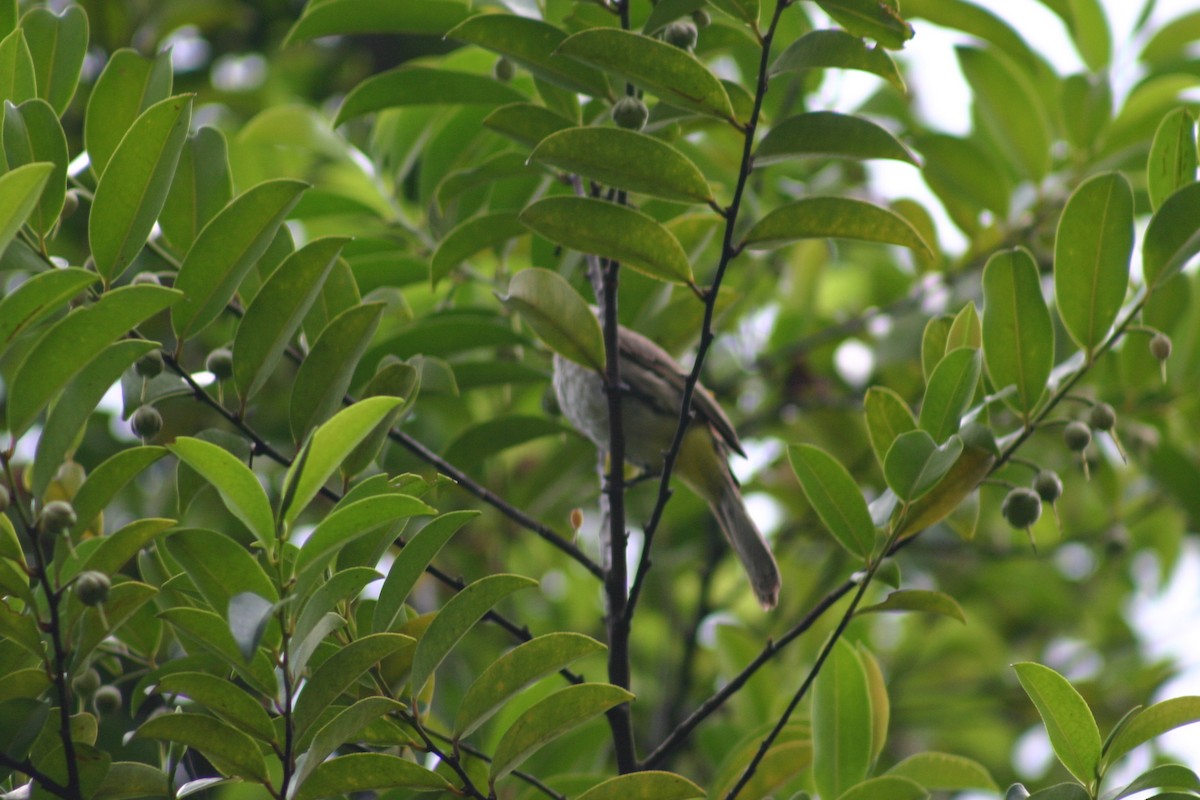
(749, 545)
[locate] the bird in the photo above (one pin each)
(652, 385)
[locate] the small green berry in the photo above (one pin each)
(504, 70)
(149, 365)
(701, 18)
(92, 588)
(87, 682)
(220, 363)
(631, 113)
(107, 700)
(1077, 436)
(1160, 346)
(57, 516)
(681, 34)
(1102, 417)
(1048, 486)
(148, 278)
(1022, 507)
(146, 422)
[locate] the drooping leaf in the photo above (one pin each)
(224, 698)
(411, 563)
(558, 315)
(230, 751)
(919, 600)
(235, 483)
(1069, 722)
(833, 217)
(829, 134)
(129, 84)
(409, 86)
(58, 44)
(339, 17)
(1018, 335)
(835, 497)
(949, 392)
(131, 194)
(915, 463)
(841, 722)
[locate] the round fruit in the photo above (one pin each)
(1022, 507)
(149, 365)
(70, 476)
(92, 587)
(146, 422)
(1160, 346)
(1102, 417)
(503, 69)
(1077, 436)
(57, 516)
(1048, 485)
(701, 18)
(87, 682)
(681, 34)
(220, 363)
(630, 112)
(107, 700)
(146, 278)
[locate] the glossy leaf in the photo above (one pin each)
(676, 76)
(1018, 335)
(226, 250)
(134, 186)
(277, 310)
(915, 463)
(32, 133)
(1172, 163)
(549, 719)
(20, 190)
(348, 522)
(410, 564)
(823, 49)
(841, 722)
(338, 672)
(202, 187)
(1153, 722)
(835, 497)
(516, 669)
(919, 600)
(409, 86)
(470, 237)
(1068, 720)
(534, 45)
(455, 619)
(223, 698)
(949, 393)
(339, 17)
(833, 217)
(359, 772)
(58, 44)
(558, 315)
(627, 160)
(944, 772)
(1091, 257)
(526, 123)
(73, 342)
(17, 80)
(235, 483)
(129, 84)
(829, 134)
(1172, 237)
(326, 371)
(231, 751)
(611, 231)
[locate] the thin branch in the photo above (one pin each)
(26, 767)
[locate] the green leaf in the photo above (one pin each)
(20, 190)
(218, 565)
(1087, 107)
(833, 217)
(128, 85)
(26, 717)
(471, 236)
(1164, 776)
(1172, 163)
(224, 698)
(230, 751)
(348, 522)
(627, 160)
(277, 310)
(119, 547)
(21, 629)
(32, 133)
(886, 787)
(935, 340)
(338, 672)
(526, 123)
(10, 545)
(419, 86)
(39, 297)
(69, 414)
(343, 585)
(325, 374)
(1090, 31)
(881, 705)
(124, 600)
(1000, 89)
(532, 44)
(823, 49)
(966, 329)
(877, 19)
(667, 11)
(134, 186)
(549, 719)
(1069, 722)
(945, 772)
(949, 393)
(17, 80)
(73, 342)
(458, 616)
(835, 497)
(249, 615)
(647, 785)
(558, 315)
(1091, 257)
(226, 250)
(966, 177)
(1170, 42)
(915, 463)
(1154, 722)
(841, 722)
(235, 483)
(58, 44)
(611, 231)
(393, 379)
(360, 772)
(1018, 335)
(202, 187)
(106, 480)
(200, 630)
(410, 564)
(127, 780)
(828, 134)
(516, 669)
(919, 600)
(1172, 237)
(339, 17)
(672, 74)
(478, 442)
(348, 723)
(979, 454)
